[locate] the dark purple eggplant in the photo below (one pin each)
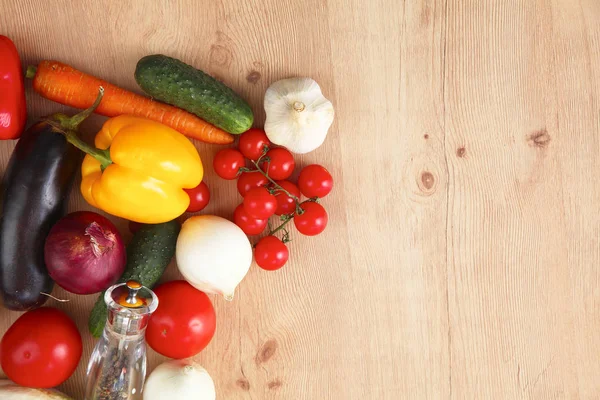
(36, 186)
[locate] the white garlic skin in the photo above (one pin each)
(298, 115)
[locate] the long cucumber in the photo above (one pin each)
(175, 82)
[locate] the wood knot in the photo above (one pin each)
(421, 176)
(253, 76)
(460, 152)
(276, 384)
(243, 384)
(427, 181)
(266, 352)
(219, 55)
(540, 139)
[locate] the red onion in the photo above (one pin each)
(84, 253)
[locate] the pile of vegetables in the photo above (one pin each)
(144, 168)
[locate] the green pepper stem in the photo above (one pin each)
(67, 126)
(103, 156)
(72, 123)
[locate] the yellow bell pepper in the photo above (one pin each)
(139, 169)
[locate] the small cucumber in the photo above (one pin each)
(175, 82)
(148, 255)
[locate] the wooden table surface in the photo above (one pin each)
(462, 256)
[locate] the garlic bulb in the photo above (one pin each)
(298, 115)
(213, 254)
(179, 380)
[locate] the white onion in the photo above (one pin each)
(179, 380)
(213, 254)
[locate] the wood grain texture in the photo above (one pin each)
(461, 260)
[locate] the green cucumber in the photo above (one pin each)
(175, 82)
(148, 255)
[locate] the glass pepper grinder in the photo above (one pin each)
(117, 367)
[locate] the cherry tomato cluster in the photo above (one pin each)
(267, 191)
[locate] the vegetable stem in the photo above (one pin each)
(280, 227)
(103, 156)
(31, 70)
(299, 106)
(277, 186)
(73, 122)
(67, 126)
(55, 298)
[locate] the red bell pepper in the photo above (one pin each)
(13, 111)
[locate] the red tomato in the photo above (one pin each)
(282, 163)
(41, 349)
(252, 143)
(250, 225)
(250, 180)
(227, 162)
(199, 197)
(313, 220)
(259, 203)
(285, 203)
(315, 181)
(271, 253)
(184, 322)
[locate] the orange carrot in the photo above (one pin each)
(66, 85)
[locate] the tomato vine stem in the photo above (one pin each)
(277, 188)
(281, 226)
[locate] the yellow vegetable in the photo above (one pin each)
(151, 165)
(138, 170)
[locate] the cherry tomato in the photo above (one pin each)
(271, 253)
(227, 162)
(315, 181)
(285, 203)
(259, 203)
(313, 220)
(199, 197)
(41, 349)
(250, 180)
(250, 225)
(282, 163)
(184, 322)
(252, 143)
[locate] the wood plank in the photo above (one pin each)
(516, 195)
(392, 151)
